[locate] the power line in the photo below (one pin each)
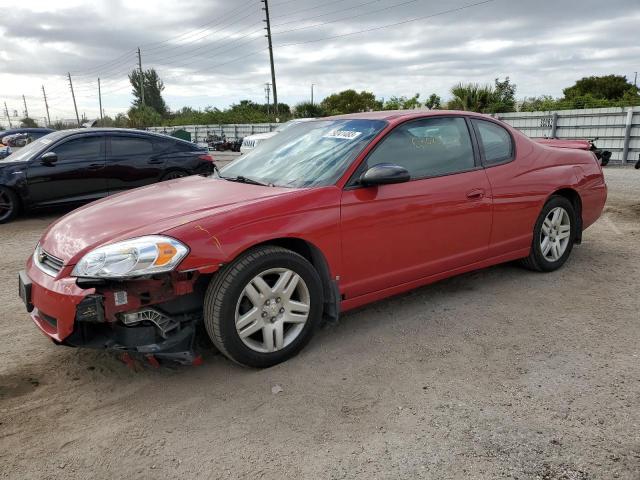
(395, 5)
(308, 9)
(197, 39)
(330, 13)
(197, 28)
(381, 27)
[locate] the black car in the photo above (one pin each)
(32, 133)
(78, 166)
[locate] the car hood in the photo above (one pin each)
(149, 210)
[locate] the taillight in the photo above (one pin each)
(206, 158)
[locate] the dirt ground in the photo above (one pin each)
(501, 373)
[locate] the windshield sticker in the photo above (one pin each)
(342, 134)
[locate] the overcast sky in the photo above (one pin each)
(213, 52)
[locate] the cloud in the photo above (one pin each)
(214, 53)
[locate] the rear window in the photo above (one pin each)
(495, 141)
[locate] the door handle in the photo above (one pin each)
(96, 166)
(475, 194)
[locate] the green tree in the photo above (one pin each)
(350, 101)
(153, 88)
(28, 122)
(402, 103)
(434, 102)
(504, 97)
(471, 97)
(121, 121)
(537, 104)
(608, 87)
(308, 110)
(142, 117)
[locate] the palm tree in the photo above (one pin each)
(471, 97)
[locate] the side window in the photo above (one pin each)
(427, 148)
(495, 142)
(162, 145)
(85, 148)
(130, 146)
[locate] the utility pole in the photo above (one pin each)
(73, 95)
(100, 99)
(141, 77)
(273, 70)
(312, 93)
(6, 110)
(26, 111)
(267, 94)
(46, 105)
(635, 80)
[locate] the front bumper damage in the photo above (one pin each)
(156, 316)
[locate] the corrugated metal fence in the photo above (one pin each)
(199, 133)
(616, 129)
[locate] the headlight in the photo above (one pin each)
(132, 258)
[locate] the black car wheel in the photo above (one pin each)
(8, 205)
(263, 308)
(553, 236)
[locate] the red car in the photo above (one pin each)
(329, 215)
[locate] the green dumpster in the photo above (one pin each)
(181, 134)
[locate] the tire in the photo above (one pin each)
(172, 175)
(545, 257)
(260, 330)
(9, 205)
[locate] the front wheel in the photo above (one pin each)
(263, 308)
(553, 236)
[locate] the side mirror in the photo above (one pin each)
(49, 158)
(385, 173)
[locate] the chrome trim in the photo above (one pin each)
(38, 257)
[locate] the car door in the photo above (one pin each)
(132, 161)
(517, 196)
(78, 174)
(438, 221)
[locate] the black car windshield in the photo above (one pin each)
(309, 154)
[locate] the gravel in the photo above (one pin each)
(500, 373)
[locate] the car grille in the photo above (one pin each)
(47, 263)
(249, 143)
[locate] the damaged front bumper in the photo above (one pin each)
(155, 316)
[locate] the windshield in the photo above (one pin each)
(308, 154)
(24, 153)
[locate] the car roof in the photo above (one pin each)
(106, 130)
(402, 115)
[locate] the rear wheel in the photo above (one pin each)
(264, 307)
(553, 236)
(9, 205)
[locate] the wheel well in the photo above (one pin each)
(19, 202)
(576, 201)
(315, 256)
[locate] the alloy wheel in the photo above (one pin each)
(555, 234)
(272, 310)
